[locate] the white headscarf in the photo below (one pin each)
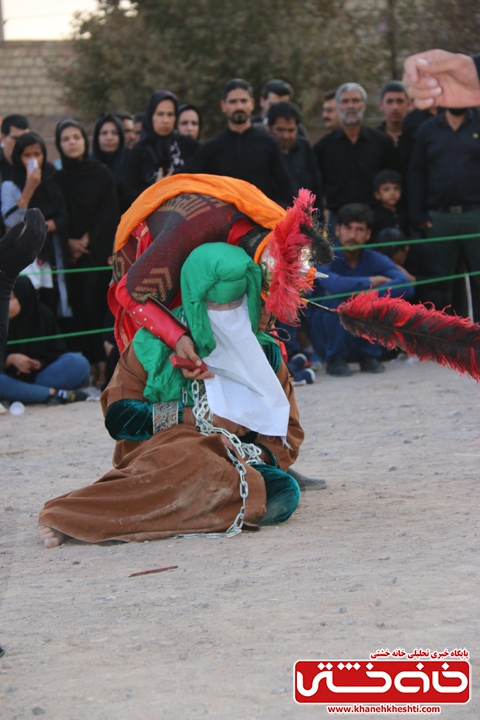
(238, 350)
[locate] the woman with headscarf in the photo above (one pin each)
(91, 199)
(162, 150)
(38, 371)
(194, 457)
(33, 186)
(109, 149)
(189, 121)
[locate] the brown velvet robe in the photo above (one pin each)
(177, 482)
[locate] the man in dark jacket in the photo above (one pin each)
(444, 191)
(283, 121)
(244, 151)
(351, 156)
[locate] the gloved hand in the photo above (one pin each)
(22, 244)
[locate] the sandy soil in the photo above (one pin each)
(392, 541)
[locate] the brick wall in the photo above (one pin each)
(26, 88)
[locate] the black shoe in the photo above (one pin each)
(307, 483)
(65, 397)
(370, 364)
(339, 367)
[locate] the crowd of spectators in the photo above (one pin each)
(415, 176)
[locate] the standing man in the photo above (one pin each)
(444, 190)
(243, 150)
(275, 91)
(12, 127)
(283, 121)
(330, 117)
(394, 104)
(351, 156)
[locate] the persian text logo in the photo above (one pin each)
(421, 676)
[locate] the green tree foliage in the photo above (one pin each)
(123, 52)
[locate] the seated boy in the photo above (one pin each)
(388, 213)
(354, 268)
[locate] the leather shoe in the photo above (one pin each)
(307, 483)
(370, 364)
(339, 367)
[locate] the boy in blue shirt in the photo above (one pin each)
(358, 268)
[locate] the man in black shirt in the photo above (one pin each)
(283, 121)
(243, 151)
(351, 156)
(394, 104)
(444, 190)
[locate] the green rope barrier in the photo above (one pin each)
(400, 285)
(315, 299)
(68, 270)
(415, 241)
(64, 335)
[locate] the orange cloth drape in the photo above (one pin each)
(245, 196)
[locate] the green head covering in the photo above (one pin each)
(220, 273)
(217, 272)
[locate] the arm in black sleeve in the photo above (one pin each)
(317, 177)
(418, 182)
(278, 170)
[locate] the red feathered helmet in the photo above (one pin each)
(286, 257)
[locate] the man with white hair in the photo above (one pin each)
(351, 156)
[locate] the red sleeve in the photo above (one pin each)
(155, 317)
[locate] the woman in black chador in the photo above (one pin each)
(91, 199)
(162, 150)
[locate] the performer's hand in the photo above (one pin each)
(186, 349)
(439, 78)
(22, 244)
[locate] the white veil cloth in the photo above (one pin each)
(238, 351)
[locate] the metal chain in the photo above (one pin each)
(250, 453)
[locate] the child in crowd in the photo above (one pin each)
(388, 212)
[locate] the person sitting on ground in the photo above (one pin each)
(189, 121)
(194, 457)
(418, 264)
(38, 371)
(354, 268)
(33, 186)
(388, 212)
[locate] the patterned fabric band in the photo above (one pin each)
(166, 414)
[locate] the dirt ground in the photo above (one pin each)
(392, 542)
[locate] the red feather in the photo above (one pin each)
(418, 330)
(289, 282)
